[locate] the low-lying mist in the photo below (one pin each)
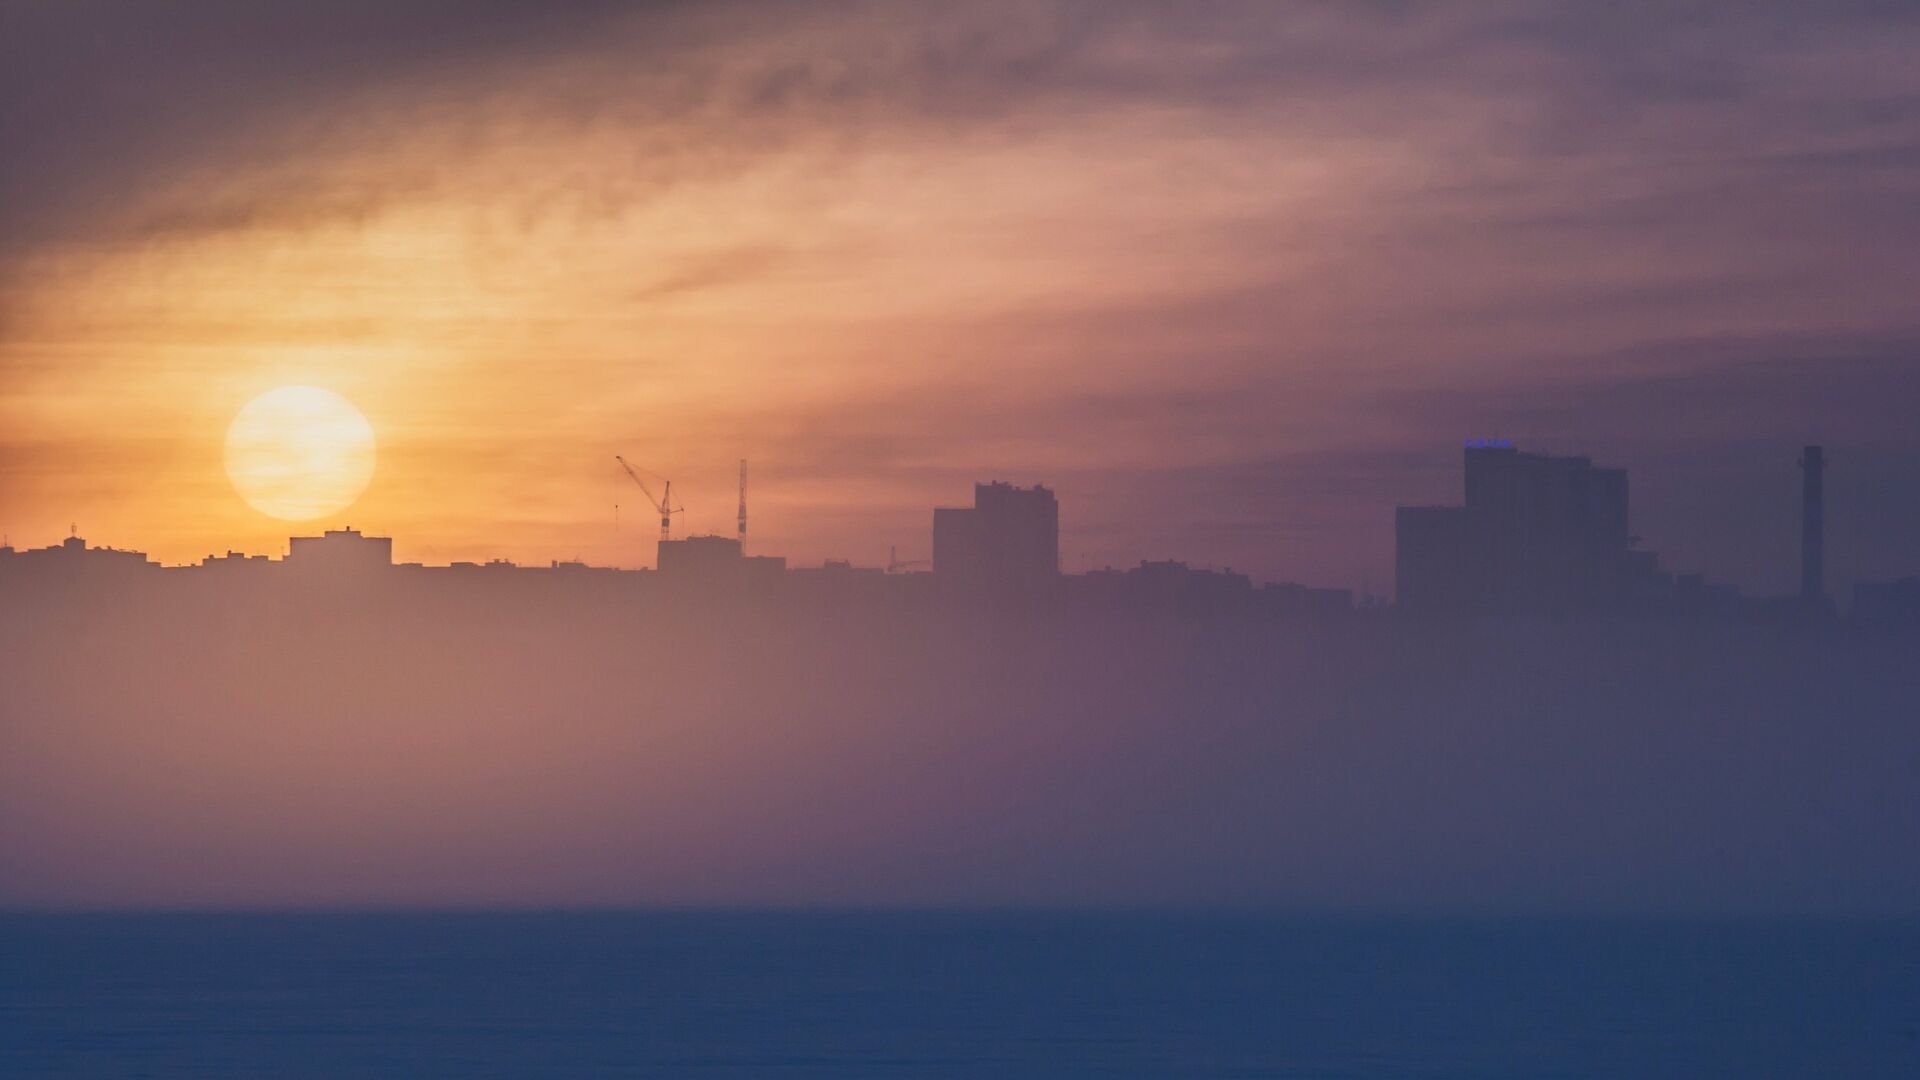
(342, 746)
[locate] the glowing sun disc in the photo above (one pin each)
(299, 453)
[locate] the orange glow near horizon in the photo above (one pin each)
(508, 332)
(863, 254)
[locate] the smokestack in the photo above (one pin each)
(1813, 527)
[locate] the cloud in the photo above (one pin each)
(1263, 264)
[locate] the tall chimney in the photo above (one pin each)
(1813, 528)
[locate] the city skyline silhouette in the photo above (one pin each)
(1014, 538)
(1567, 671)
(1536, 534)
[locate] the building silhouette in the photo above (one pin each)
(1537, 534)
(1813, 528)
(699, 556)
(237, 564)
(71, 559)
(1008, 539)
(1168, 586)
(339, 551)
(715, 560)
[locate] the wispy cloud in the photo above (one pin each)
(1211, 251)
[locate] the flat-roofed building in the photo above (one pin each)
(1009, 537)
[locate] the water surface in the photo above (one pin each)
(949, 995)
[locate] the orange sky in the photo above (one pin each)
(1172, 269)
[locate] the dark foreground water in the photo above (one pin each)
(860, 995)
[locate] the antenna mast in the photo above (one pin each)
(743, 500)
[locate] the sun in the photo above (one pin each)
(299, 453)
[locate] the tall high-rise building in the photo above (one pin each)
(1537, 534)
(1433, 549)
(1009, 537)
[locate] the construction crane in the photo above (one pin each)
(663, 502)
(895, 566)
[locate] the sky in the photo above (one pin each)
(1233, 278)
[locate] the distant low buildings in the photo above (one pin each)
(236, 563)
(1535, 535)
(715, 561)
(1170, 586)
(73, 559)
(340, 551)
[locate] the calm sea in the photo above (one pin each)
(949, 995)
